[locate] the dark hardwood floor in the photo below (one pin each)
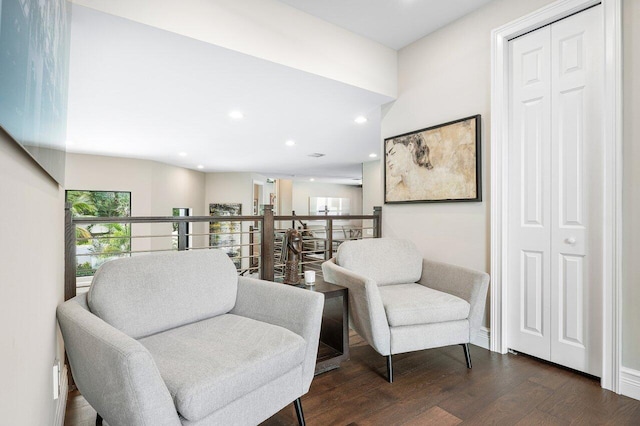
(434, 387)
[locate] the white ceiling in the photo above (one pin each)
(137, 91)
(142, 92)
(394, 23)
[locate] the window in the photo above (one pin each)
(328, 206)
(97, 243)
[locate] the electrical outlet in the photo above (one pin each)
(56, 380)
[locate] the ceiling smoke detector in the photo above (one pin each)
(317, 155)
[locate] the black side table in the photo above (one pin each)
(334, 331)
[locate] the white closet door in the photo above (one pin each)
(555, 192)
(530, 194)
(577, 170)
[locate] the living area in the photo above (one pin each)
(298, 116)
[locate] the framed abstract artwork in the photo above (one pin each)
(226, 235)
(434, 165)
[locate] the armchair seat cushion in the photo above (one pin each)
(208, 364)
(413, 304)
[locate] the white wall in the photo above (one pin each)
(372, 191)
(442, 77)
(270, 30)
(285, 196)
(31, 286)
(631, 189)
(231, 187)
(156, 188)
(445, 76)
(372, 186)
(301, 191)
(237, 187)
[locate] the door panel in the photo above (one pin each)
(532, 162)
(555, 192)
(571, 290)
(570, 150)
(531, 305)
(577, 175)
(529, 192)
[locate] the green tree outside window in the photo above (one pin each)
(98, 243)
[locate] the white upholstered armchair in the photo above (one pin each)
(179, 339)
(399, 302)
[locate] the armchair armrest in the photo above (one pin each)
(365, 305)
(293, 308)
(114, 372)
(467, 284)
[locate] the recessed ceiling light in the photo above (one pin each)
(290, 142)
(236, 115)
(200, 166)
(373, 155)
(182, 154)
(312, 179)
(361, 119)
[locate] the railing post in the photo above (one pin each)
(70, 264)
(267, 244)
(252, 260)
(328, 254)
(377, 222)
(182, 236)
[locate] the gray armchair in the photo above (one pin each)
(399, 302)
(180, 339)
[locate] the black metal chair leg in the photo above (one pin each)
(298, 404)
(98, 420)
(389, 369)
(467, 355)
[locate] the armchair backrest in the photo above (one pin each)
(146, 294)
(385, 260)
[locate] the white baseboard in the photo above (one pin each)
(630, 382)
(482, 338)
(61, 406)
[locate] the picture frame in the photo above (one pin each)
(227, 235)
(437, 164)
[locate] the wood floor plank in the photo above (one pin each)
(628, 416)
(484, 386)
(513, 406)
(434, 416)
(354, 409)
(540, 418)
(420, 392)
(435, 387)
(582, 401)
(550, 376)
